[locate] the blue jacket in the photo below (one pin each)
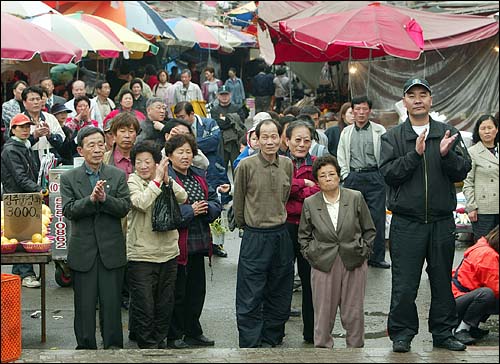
(209, 140)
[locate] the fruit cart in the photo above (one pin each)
(59, 228)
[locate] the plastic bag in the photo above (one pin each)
(166, 211)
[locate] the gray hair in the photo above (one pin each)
(153, 100)
(298, 123)
(185, 70)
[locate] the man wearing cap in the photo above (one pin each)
(230, 118)
(420, 160)
(68, 149)
(358, 154)
(20, 168)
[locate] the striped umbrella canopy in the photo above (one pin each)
(191, 33)
(26, 9)
(34, 40)
(131, 40)
(134, 15)
(235, 38)
(81, 34)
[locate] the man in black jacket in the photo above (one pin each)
(421, 160)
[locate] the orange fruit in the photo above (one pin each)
(36, 238)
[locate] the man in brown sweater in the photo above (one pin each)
(265, 269)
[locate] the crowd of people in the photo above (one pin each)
(300, 194)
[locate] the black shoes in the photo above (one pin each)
(464, 337)
(219, 251)
(177, 344)
(401, 346)
(478, 333)
(450, 343)
(383, 264)
(201, 340)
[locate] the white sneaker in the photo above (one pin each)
(31, 282)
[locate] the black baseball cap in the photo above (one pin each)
(223, 90)
(57, 108)
(414, 82)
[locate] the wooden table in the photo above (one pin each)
(32, 258)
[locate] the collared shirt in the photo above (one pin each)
(93, 176)
(333, 209)
(191, 93)
(124, 163)
(261, 191)
(104, 108)
(362, 150)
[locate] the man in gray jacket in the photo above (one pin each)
(95, 198)
(358, 154)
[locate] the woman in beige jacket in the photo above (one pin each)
(152, 263)
(481, 185)
(336, 233)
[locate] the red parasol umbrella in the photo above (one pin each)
(371, 31)
(31, 39)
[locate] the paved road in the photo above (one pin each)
(218, 318)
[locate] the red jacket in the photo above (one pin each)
(479, 268)
(299, 190)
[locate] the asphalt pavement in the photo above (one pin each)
(219, 323)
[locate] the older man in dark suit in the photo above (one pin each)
(95, 197)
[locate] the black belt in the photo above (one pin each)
(362, 170)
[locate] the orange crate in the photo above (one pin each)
(11, 317)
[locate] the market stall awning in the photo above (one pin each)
(35, 40)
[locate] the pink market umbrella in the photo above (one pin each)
(80, 33)
(31, 39)
(190, 33)
(371, 31)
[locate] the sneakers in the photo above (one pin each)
(31, 282)
(478, 333)
(450, 343)
(464, 337)
(219, 251)
(401, 346)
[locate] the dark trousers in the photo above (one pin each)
(476, 306)
(152, 288)
(23, 270)
(484, 224)
(372, 186)
(105, 285)
(264, 286)
(411, 243)
(190, 291)
(305, 278)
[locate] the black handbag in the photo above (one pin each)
(166, 211)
